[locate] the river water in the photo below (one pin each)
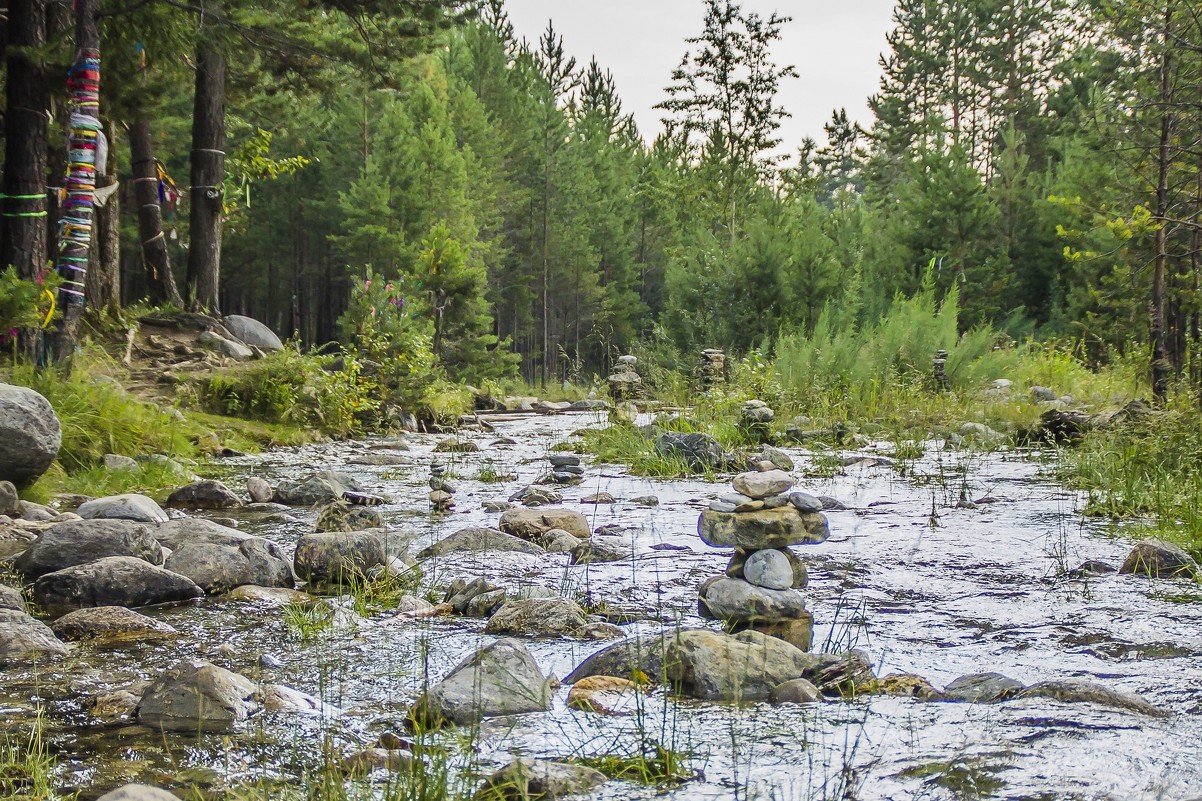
(919, 580)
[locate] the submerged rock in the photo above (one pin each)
(600, 549)
(604, 695)
(198, 696)
(537, 617)
(795, 691)
(744, 667)
(112, 581)
(1078, 691)
(337, 557)
(501, 678)
(525, 779)
(110, 623)
(478, 538)
(637, 658)
(77, 542)
(529, 524)
(982, 688)
(25, 641)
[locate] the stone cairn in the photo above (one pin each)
(756, 419)
(442, 490)
(939, 368)
(625, 384)
(761, 589)
(565, 468)
(713, 367)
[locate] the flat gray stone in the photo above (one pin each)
(123, 507)
(763, 484)
(769, 569)
(737, 601)
(77, 542)
(112, 581)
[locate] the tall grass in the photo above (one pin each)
(27, 767)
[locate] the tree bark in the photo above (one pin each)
(81, 181)
(23, 206)
(103, 290)
(155, 257)
(1161, 366)
(208, 173)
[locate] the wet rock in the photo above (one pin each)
(252, 332)
(598, 498)
(25, 641)
(767, 528)
(744, 667)
(637, 658)
(281, 698)
(413, 605)
(275, 596)
(321, 487)
(604, 695)
(259, 490)
(123, 507)
(908, 685)
(485, 603)
(77, 542)
(535, 496)
(175, 534)
(761, 485)
(270, 662)
(109, 623)
(529, 524)
(525, 779)
(769, 569)
(600, 549)
(559, 541)
(345, 516)
(221, 568)
(496, 507)
(537, 617)
(205, 494)
(479, 539)
(806, 503)
(1093, 567)
(501, 678)
(737, 601)
(460, 594)
(198, 696)
(798, 632)
(337, 557)
(645, 500)
(1071, 691)
(1159, 559)
(699, 451)
(846, 675)
(365, 761)
(11, 598)
(112, 581)
(795, 691)
(10, 502)
(456, 446)
(599, 630)
(30, 435)
(778, 458)
(138, 792)
(116, 705)
(982, 688)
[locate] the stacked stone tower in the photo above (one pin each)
(442, 489)
(762, 588)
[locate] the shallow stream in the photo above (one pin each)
(918, 579)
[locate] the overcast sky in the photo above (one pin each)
(835, 45)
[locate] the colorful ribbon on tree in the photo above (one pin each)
(86, 155)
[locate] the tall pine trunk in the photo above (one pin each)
(23, 206)
(155, 257)
(208, 173)
(1161, 366)
(76, 234)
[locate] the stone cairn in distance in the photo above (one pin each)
(442, 490)
(713, 368)
(625, 384)
(761, 589)
(565, 468)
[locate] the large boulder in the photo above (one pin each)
(476, 539)
(738, 601)
(30, 435)
(537, 617)
(25, 641)
(175, 534)
(252, 332)
(321, 487)
(11, 598)
(698, 451)
(766, 528)
(123, 507)
(501, 678)
(198, 696)
(530, 524)
(204, 494)
(109, 623)
(77, 542)
(337, 557)
(221, 568)
(10, 501)
(112, 581)
(640, 658)
(747, 666)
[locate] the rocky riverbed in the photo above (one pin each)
(965, 566)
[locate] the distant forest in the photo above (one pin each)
(1042, 157)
